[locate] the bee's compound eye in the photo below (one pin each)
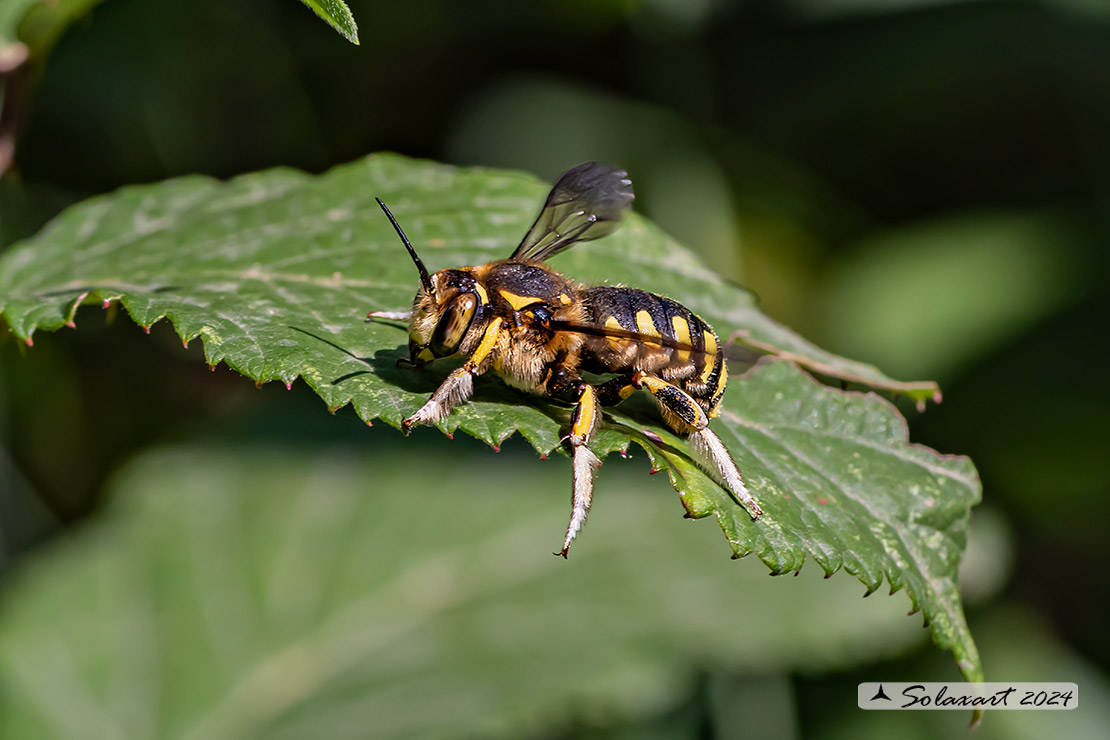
(453, 324)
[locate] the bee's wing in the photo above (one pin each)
(586, 203)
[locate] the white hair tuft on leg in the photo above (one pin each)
(390, 315)
(712, 455)
(456, 389)
(586, 464)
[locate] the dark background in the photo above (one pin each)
(922, 185)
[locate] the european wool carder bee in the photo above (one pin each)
(540, 331)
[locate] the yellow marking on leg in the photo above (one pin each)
(489, 341)
(626, 391)
(517, 301)
(585, 417)
(653, 384)
(682, 334)
(675, 404)
(645, 324)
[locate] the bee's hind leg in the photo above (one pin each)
(683, 414)
(587, 415)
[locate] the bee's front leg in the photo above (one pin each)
(587, 415)
(389, 315)
(460, 383)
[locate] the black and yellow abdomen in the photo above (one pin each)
(687, 353)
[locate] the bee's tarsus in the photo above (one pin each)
(389, 315)
(712, 456)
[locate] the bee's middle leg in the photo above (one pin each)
(587, 416)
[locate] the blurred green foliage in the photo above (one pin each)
(921, 185)
(238, 590)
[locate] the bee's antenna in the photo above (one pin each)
(424, 279)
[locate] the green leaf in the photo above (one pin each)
(11, 14)
(837, 480)
(274, 271)
(337, 15)
(38, 23)
(235, 592)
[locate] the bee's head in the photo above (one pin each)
(445, 307)
(443, 315)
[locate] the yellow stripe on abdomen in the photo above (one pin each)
(682, 334)
(645, 325)
(612, 323)
(710, 340)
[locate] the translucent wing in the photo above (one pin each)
(586, 203)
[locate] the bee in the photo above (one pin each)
(541, 331)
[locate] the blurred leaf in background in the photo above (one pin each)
(235, 591)
(939, 296)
